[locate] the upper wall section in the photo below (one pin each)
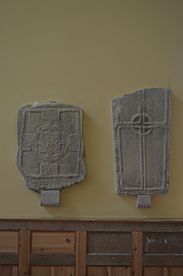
(86, 53)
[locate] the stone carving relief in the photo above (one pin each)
(141, 127)
(50, 148)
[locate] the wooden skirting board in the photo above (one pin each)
(91, 247)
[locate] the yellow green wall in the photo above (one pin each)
(85, 53)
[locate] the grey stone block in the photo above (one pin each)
(141, 128)
(50, 198)
(50, 146)
(143, 201)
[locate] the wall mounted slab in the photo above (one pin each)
(141, 128)
(50, 148)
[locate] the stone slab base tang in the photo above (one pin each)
(50, 198)
(143, 201)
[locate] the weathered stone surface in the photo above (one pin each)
(50, 146)
(143, 201)
(50, 198)
(141, 123)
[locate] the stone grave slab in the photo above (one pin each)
(50, 148)
(141, 130)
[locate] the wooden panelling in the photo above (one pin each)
(41, 271)
(9, 259)
(163, 249)
(116, 260)
(155, 271)
(137, 253)
(24, 253)
(52, 271)
(92, 225)
(163, 271)
(163, 260)
(175, 271)
(52, 259)
(108, 271)
(97, 271)
(50, 242)
(119, 271)
(113, 248)
(91, 248)
(163, 243)
(115, 242)
(8, 241)
(8, 271)
(81, 253)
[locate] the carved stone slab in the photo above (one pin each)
(141, 123)
(50, 148)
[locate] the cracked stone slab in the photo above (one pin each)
(50, 146)
(141, 130)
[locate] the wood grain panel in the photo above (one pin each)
(8, 241)
(52, 271)
(119, 271)
(52, 259)
(163, 243)
(110, 249)
(14, 271)
(40, 271)
(114, 242)
(108, 271)
(81, 253)
(53, 242)
(153, 271)
(137, 253)
(163, 260)
(24, 253)
(164, 271)
(175, 271)
(97, 271)
(8, 271)
(109, 260)
(93, 225)
(64, 271)
(9, 258)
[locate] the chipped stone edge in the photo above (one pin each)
(68, 183)
(118, 176)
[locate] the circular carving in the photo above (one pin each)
(47, 141)
(141, 123)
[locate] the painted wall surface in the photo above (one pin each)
(85, 53)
